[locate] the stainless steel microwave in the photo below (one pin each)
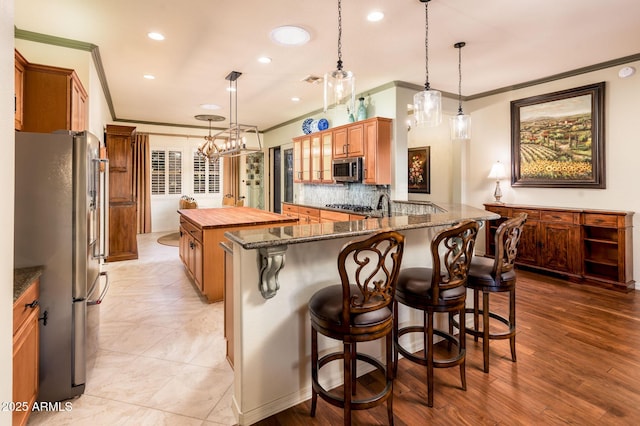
(347, 169)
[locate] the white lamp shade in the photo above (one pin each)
(461, 127)
(427, 108)
(339, 90)
(498, 171)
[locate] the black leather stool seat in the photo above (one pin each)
(326, 306)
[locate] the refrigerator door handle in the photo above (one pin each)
(102, 245)
(92, 302)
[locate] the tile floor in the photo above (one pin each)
(161, 350)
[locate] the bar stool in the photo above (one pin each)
(357, 310)
(440, 288)
(492, 276)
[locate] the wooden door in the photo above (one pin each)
(297, 160)
(355, 140)
(340, 143)
(122, 201)
(327, 150)
(316, 158)
(528, 246)
(559, 245)
(306, 159)
(19, 89)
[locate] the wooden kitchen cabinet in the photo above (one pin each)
(26, 347)
(20, 64)
(321, 157)
(290, 210)
(302, 159)
(591, 246)
(123, 228)
(54, 99)
(313, 154)
(377, 151)
(308, 215)
(348, 141)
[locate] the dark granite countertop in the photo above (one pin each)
(22, 279)
(271, 237)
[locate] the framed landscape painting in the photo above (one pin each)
(557, 139)
(419, 170)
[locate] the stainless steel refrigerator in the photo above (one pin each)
(60, 223)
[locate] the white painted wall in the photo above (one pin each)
(492, 141)
(6, 213)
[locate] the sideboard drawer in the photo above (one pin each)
(557, 216)
(605, 220)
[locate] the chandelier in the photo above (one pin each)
(234, 140)
(427, 105)
(339, 85)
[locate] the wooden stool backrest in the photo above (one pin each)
(373, 265)
(506, 242)
(452, 251)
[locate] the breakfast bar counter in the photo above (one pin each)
(275, 272)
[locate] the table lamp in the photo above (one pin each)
(497, 172)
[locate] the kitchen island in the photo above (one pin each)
(202, 231)
(271, 329)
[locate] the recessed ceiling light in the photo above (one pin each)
(210, 106)
(375, 16)
(264, 60)
(295, 99)
(289, 35)
(155, 36)
(149, 76)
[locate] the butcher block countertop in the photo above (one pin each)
(227, 217)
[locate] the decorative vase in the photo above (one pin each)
(351, 118)
(362, 110)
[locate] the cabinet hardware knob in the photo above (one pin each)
(44, 318)
(32, 304)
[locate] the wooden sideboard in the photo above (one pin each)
(584, 245)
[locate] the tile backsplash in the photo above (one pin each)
(352, 193)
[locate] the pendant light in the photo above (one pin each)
(461, 123)
(427, 105)
(339, 85)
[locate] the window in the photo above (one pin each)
(206, 175)
(166, 172)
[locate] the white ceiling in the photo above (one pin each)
(508, 42)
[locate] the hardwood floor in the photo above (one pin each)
(578, 351)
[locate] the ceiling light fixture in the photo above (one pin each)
(339, 85)
(149, 76)
(427, 104)
(461, 123)
(155, 36)
(375, 16)
(289, 35)
(264, 60)
(210, 106)
(230, 142)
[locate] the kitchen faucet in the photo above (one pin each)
(379, 207)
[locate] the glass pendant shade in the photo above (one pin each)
(461, 127)
(427, 108)
(339, 90)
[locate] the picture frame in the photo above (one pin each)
(419, 170)
(557, 139)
